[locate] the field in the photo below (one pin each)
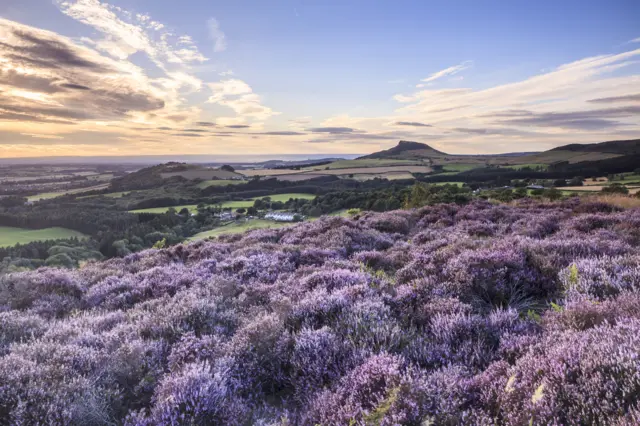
(389, 176)
(346, 167)
(554, 156)
(475, 314)
(297, 177)
(101, 177)
(10, 236)
(207, 174)
(110, 194)
(461, 167)
(350, 164)
(218, 182)
(30, 178)
(236, 228)
(530, 165)
(49, 195)
(458, 184)
(227, 204)
(594, 188)
(377, 170)
(268, 172)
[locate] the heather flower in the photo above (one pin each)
(474, 315)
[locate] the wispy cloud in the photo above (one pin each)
(45, 77)
(448, 71)
(216, 34)
(42, 136)
(561, 98)
(239, 96)
(411, 124)
(616, 99)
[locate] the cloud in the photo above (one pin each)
(281, 133)
(492, 131)
(561, 100)
(448, 71)
(583, 120)
(615, 99)
(42, 136)
(47, 77)
(332, 130)
(238, 95)
(189, 135)
(121, 34)
(635, 40)
(216, 34)
(206, 124)
(74, 86)
(412, 124)
(237, 126)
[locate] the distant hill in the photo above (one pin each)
(151, 177)
(627, 147)
(406, 150)
(574, 153)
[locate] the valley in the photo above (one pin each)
(122, 209)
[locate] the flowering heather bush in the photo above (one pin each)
(475, 315)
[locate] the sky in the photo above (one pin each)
(253, 77)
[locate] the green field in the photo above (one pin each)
(10, 236)
(236, 228)
(227, 204)
(109, 195)
(460, 167)
(531, 165)
(218, 182)
(349, 164)
(458, 184)
(49, 195)
(101, 177)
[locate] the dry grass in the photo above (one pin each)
(268, 172)
(598, 181)
(588, 188)
(377, 170)
(619, 200)
(388, 176)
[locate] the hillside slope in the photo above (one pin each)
(573, 153)
(626, 147)
(442, 313)
(154, 176)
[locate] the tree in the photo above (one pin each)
(576, 181)
(553, 194)
(251, 211)
(241, 210)
(227, 168)
(12, 201)
(60, 260)
(615, 188)
(160, 244)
